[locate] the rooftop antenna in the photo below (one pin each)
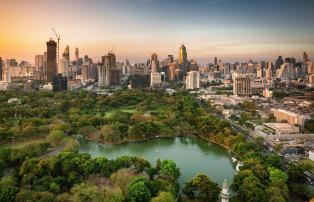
(58, 38)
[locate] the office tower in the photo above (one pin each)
(85, 72)
(77, 56)
(193, 66)
(172, 71)
(269, 71)
(192, 80)
(51, 60)
(285, 72)
(107, 70)
(59, 83)
(279, 62)
(241, 84)
(310, 68)
(215, 61)
(140, 81)
(154, 63)
(259, 70)
(1, 69)
(39, 62)
(183, 60)
(64, 62)
(45, 66)
(155, 79)
(305, 58)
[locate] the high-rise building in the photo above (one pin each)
(241, 84)
(279, 62)
(269, 71)
(59, 83)
(51, 60)
(215, 61)
(259, 70)
(39, 62)
(183, 60)
(155, 79)
(65, 62)
(1, 69)
(285, 72)
(77, 54)
(310, 68)
(106, 69)
(305, 58)
(154, 63)
(192, 80)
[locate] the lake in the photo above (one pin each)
(192, 155)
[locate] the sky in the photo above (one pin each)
(232, 30)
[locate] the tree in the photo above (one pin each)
(169, 170)
(122, 179)
(251, 190)
(55, 137)
(86, 193)
(277, 175)
(138, 190)
(202, 188)
(164, 197)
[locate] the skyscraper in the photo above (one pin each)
(279, 62)
(107, 72)
(77, 54)
(51, 60)
(305, 58)
(64, 62)
(215, 61)
(1, 69)
(192, 80)
(183, 60)
(39, 62)
(241, 84)
(269, 71)
(154, 63)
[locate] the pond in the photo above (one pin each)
(192, 155)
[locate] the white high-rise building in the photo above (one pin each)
(192, 80)
(155, 79)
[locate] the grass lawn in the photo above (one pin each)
(309, 163)
(114, 111)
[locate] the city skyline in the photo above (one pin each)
(229, 29)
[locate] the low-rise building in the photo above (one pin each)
(290, 117)
(282, 128)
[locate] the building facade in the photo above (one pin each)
(241, 84)
(51, 60)
(192, 80)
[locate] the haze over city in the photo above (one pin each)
(229, 29)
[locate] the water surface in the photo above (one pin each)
(192, 155)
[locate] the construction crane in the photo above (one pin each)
(58, 38)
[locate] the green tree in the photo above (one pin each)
(163, 197)
(251, 190)
(86, 193)
(277, 175)
(169, 170)
(202, 188)
(138, 190)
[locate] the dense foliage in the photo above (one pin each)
(36, 172)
